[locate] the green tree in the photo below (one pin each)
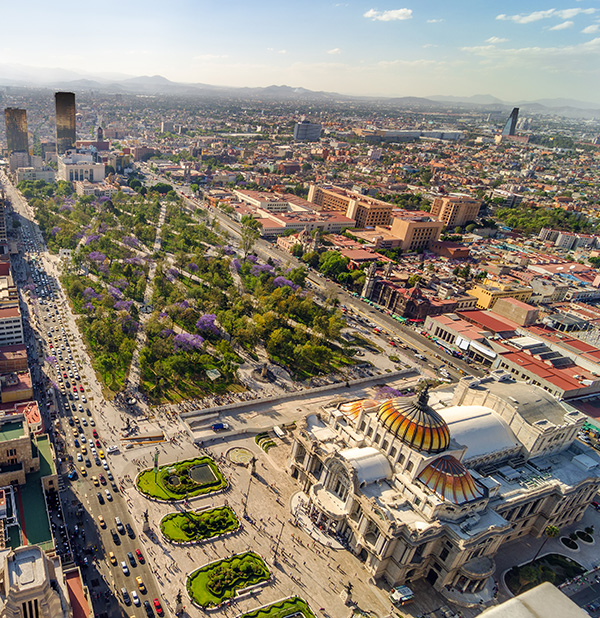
(551, 532)
(333, 263)
(250, 233)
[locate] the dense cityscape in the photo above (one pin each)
(267, 354)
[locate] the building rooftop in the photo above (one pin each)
(489, 321)
(11, 430)
(79, 602)
(26, 569)
(33, 516)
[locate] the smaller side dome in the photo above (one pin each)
(353, 408)
(450, 480)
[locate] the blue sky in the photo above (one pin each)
(512, 50)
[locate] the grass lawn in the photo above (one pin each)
(190, 526)
(282, 609)
(552, 568)
(187, 478)
(214, 583)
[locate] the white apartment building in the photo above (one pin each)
(11, 326)
(74, 166)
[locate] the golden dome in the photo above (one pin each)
(415, 423)
(450, 480)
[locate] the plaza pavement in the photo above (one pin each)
(306, 567)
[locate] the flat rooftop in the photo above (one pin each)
(33, 516)
(79, 602)
(11, 431)
(27, 569)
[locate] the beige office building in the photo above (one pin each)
(455, 210)
(416, 232)
(365, 210)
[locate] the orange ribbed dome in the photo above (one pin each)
(415, 423)
(450, 480)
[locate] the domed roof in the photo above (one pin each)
(450, 480)
(415, 423)
(354, 408)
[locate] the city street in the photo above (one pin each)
(79, 428)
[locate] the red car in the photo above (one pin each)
(64, 375)
(158, 607)
(95, 433)
(98, 445)
(139, 555)
(102, 479)
(81, 388)
(74, 389)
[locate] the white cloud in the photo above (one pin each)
(334, 51)
(589, 49)
(564, 26)
(435, 21)
(429, 45)
(391, 15)
(493, 40)
(528, 18)
(591, 29)
(570, 13)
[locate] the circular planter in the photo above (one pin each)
(569, 543)
(585, 537)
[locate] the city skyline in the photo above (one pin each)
(392, 49)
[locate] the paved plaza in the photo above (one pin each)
(305, 566)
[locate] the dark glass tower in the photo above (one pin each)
(511, 124)
(65, 121)
(16, 129)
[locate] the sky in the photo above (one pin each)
(512, 50)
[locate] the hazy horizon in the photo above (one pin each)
(511, 52)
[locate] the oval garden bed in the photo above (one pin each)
(286, 608)
(192, 527)
(569, 543)
(181, 480)
(584, 536)
(219, 581)
(552, 568)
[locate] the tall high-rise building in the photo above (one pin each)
(16, 129)
(65, 121)
(511, 124)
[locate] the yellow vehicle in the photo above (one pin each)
(101, 453)
(84, 450)
(83, 471)
(112, 558)
(95, 481)
(101, 521)
(140, 584)
(75, 432)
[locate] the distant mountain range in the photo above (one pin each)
(12, 75)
